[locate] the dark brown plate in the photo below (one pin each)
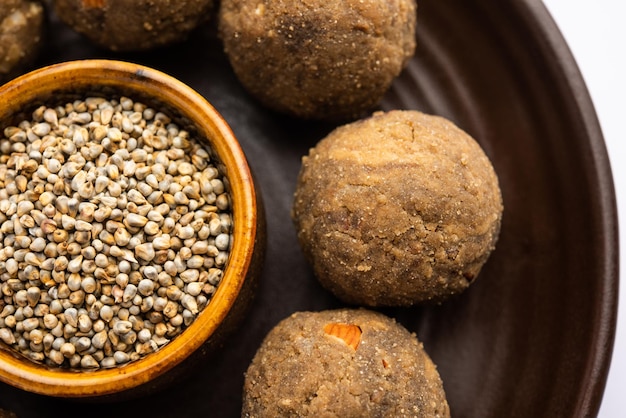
(533, 336)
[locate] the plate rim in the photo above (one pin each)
(551, 42)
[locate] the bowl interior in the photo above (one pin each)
(62, 83)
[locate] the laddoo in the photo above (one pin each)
(22, 23)
(342, 363)
(318, 59)
(133, 25)
(396, 209)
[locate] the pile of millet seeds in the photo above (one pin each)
(115, 229)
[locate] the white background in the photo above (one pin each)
(595, 31)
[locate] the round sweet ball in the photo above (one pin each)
(342, 363)
(22, 23)
(396, 209)
(319, 59)
(131, 25)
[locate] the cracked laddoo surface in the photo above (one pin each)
(21, 26)
(396, 209)
(133, 25)
(342, 363)
(318, 59)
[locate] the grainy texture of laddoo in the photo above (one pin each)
(22, 23)
(133, 25)
(318, 59)
(342, 363)
(396, 209)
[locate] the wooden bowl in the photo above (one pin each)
(60, 83)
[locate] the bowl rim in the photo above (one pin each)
(561, 60)
(132, 77)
